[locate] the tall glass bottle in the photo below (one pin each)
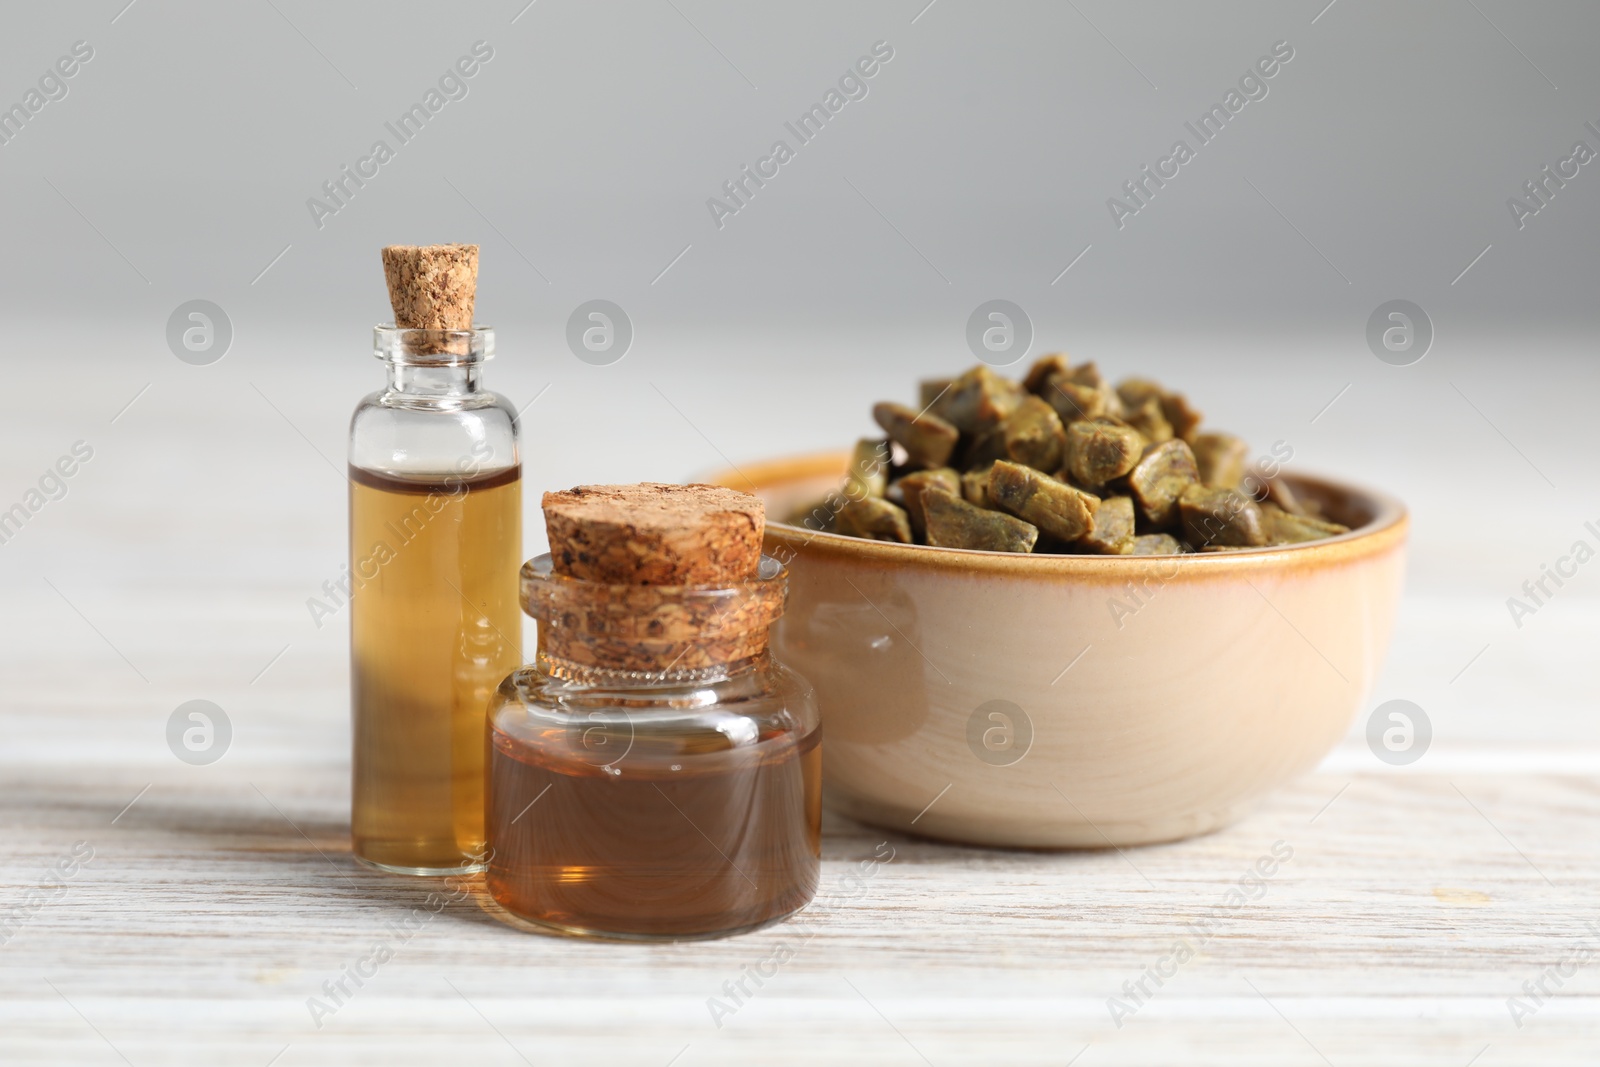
(435, 543)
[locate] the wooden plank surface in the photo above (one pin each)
(212, 911)
(220, 898)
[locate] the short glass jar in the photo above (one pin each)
(655, 774)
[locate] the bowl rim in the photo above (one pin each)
(1386, 530)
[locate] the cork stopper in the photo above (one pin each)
(667, 578)
(655, 534)
(432, 287)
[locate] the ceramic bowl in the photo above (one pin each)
(1077, 701)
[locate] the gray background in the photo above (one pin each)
(978, 166)
(179, 563)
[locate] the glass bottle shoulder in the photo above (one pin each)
(391, 432)
(757, 706)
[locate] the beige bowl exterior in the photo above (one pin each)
(1162, 694)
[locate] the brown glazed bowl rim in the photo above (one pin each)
(1387, 522)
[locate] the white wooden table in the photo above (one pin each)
(220, 898)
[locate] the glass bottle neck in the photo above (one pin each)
(428, 367)
(412, 380)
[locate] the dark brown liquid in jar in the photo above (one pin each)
(653, 843)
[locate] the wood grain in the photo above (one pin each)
(219, 902)
(1415, 903)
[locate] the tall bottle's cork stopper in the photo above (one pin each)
(432, 287)
(654, 534)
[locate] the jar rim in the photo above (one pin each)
(540, 572)
(652, 627)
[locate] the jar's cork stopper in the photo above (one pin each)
(655, 534)
(432, 287)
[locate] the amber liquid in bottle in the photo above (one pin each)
(435, 624)
(652, 845)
